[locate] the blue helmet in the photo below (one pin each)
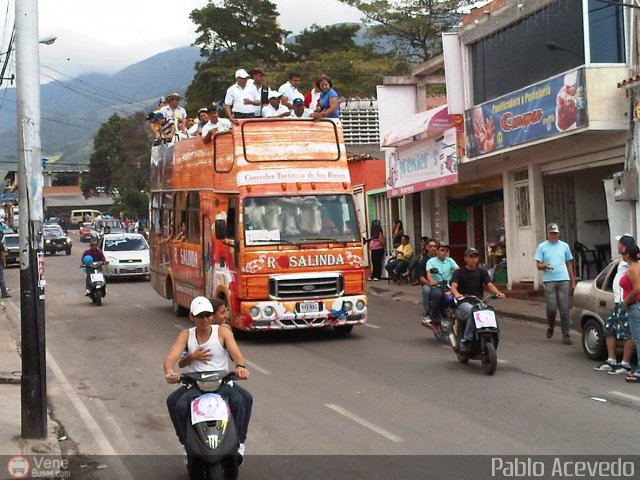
(87, 259)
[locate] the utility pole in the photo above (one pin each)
(30, 181)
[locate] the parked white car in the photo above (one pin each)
(127, 254)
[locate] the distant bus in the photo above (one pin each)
(263, 218)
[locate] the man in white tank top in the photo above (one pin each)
(206, 346)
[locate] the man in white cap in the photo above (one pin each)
(275, 109)
(175, 113)
(241, 99)
(614, 326)
(554, 258)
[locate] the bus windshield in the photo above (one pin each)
(300, 219)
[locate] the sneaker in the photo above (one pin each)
(87, 292)
(240, 453)
(549, 332)
(566, 340)
(465, 346)
(375, 279)
(606, 367)
(370, 279)
(6, 295)
(426, 321)
(620, 369)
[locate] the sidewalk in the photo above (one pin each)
(532, 310)
(10, 405)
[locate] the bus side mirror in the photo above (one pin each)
(220, 229)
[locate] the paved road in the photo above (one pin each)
(387, 389)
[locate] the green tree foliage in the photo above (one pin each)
(120, 160)
(232, 34)
(354, 73)
(413, 25)
(324, 39)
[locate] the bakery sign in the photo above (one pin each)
(545, 109)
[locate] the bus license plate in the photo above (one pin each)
(309, 307)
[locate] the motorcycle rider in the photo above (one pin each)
(445, 266)
(207, 347)
(97, 255)
(470, 280)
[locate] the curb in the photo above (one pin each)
(376, 291)
(45, 446)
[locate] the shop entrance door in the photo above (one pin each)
(524, 248)
(358, 199)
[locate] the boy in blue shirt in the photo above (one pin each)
(554, 258)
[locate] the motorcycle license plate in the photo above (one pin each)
(97, 277)
(309, 307)
(485, 319)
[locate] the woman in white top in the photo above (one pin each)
(206, 346)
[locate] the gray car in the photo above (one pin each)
(592, 304)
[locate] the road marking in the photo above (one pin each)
(92, 426)
(263, 371)
(626, 396)
(142, 307)
(365, 423)
(502, 361)
(370, 325)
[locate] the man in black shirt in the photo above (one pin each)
(470, 280)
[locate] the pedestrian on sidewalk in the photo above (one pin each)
(554, 258)
(630, 284)
(376, 248)
(3, 265)
(616, 327)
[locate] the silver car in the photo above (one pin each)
(592, 304)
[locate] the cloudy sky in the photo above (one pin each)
(108, 35)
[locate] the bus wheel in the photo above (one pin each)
(178, 310)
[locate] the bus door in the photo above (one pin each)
(208, 261)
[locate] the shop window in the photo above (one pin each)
(520, 55)
(606, 32)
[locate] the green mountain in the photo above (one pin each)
(72, 110)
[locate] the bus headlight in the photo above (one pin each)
(348, 306)
(360, 305)
(254, 312)
(268, 311)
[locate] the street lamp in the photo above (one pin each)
(553, 46)
(48, 40)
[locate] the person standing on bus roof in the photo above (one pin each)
(175, 112)
(214, 125)
(275, 109)
(257, 80)
(241, 99)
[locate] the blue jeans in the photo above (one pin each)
(634, 325)
(437, 309)
(240, 403)
(426, 299)
(464, 313)
(557, 298)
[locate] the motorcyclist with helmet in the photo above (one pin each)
(96, 255)
(470, 280)
(445, 266)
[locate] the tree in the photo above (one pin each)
(120, 160)
(331, 38)
(232, 34)
(354, 73)
(414, 26)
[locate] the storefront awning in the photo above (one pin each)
(432, 122)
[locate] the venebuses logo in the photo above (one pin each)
(18, 467)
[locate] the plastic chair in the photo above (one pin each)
(582, 253)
